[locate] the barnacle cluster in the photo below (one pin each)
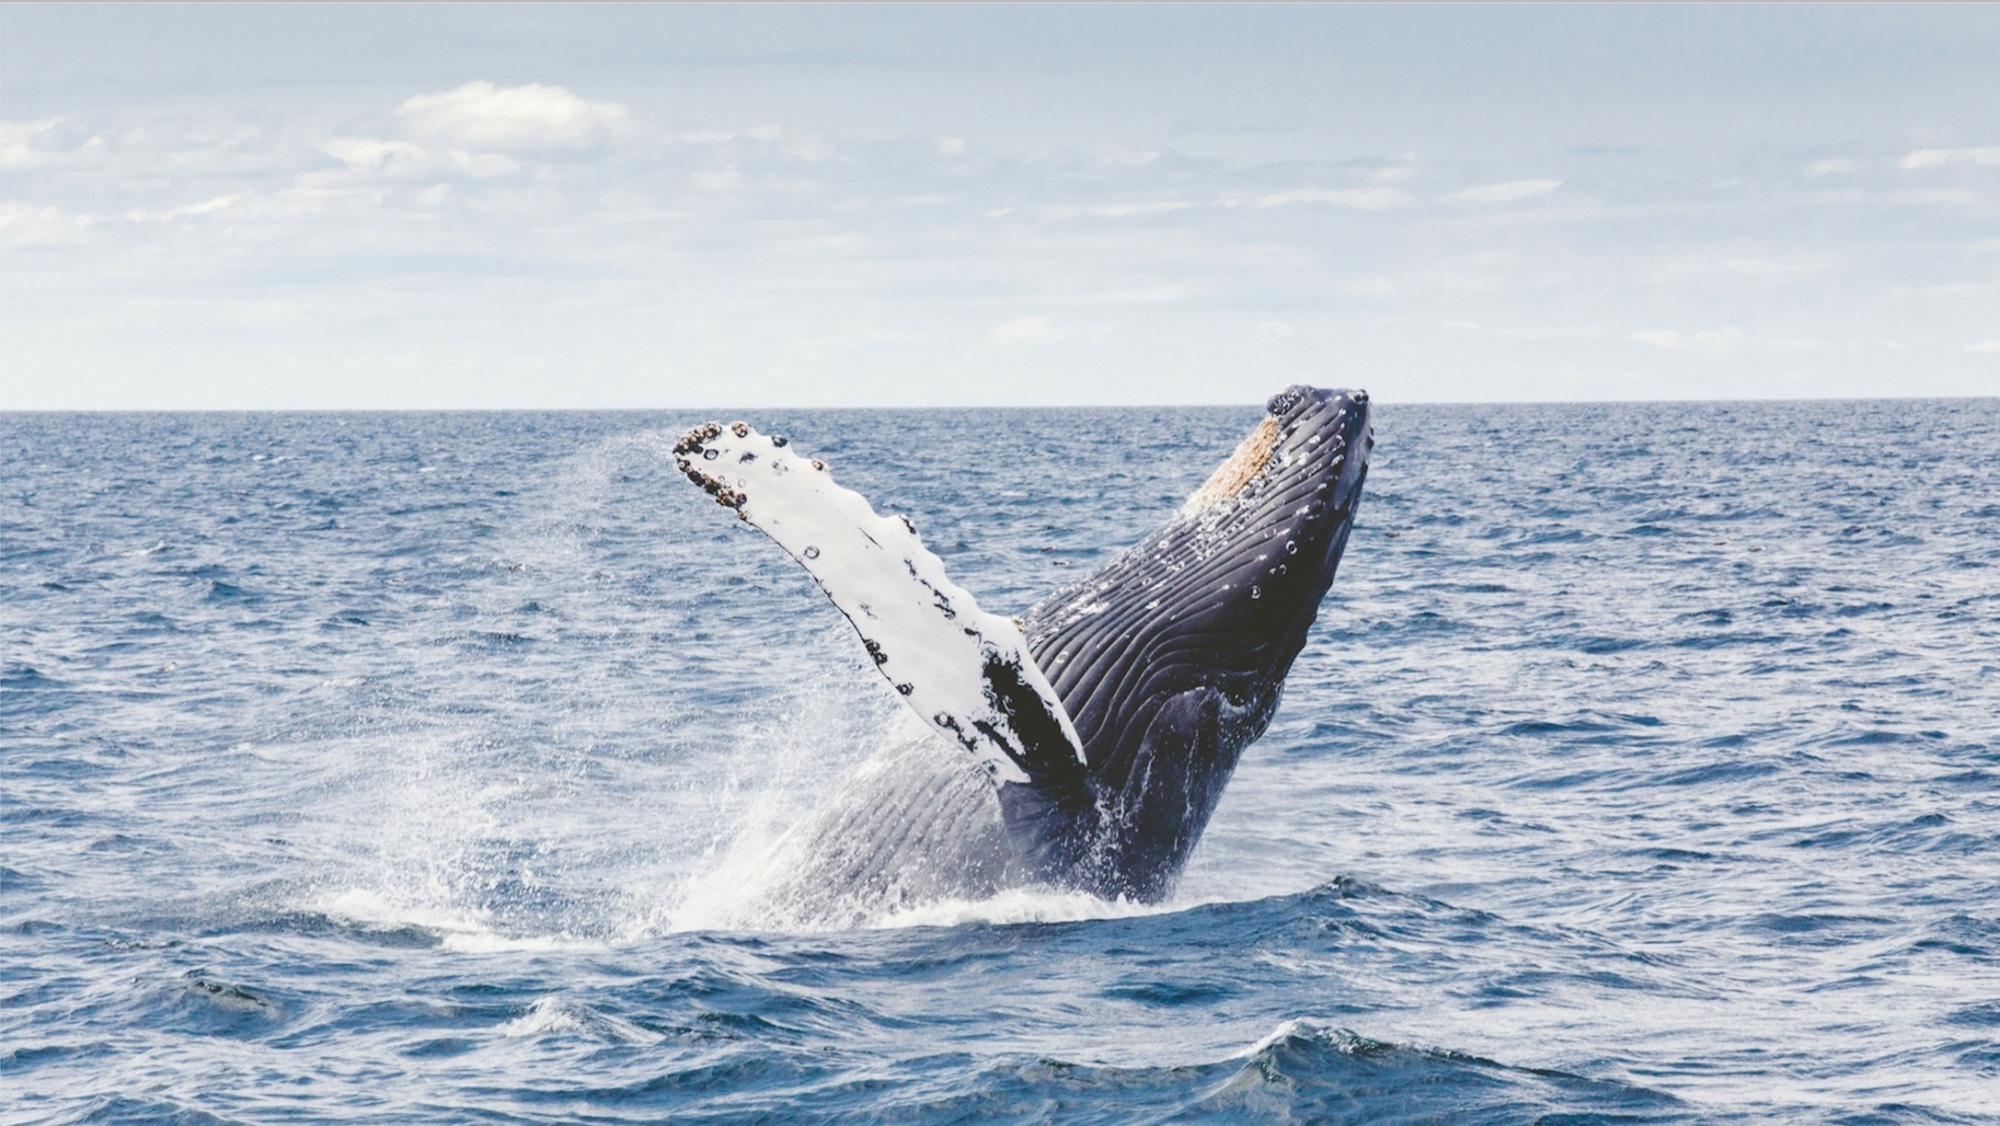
(694, 442)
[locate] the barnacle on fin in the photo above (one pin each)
(693, 439)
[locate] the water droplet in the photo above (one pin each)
(710, 455)
(812, 553)
(1256, 592)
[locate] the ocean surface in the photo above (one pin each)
(1644, 765)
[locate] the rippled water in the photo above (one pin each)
(1645, 763)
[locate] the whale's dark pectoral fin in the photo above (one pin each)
(968, 673)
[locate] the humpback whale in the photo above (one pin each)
(1094, 735)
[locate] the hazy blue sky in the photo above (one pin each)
(625, 206)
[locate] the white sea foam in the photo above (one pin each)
(558, 1016)
(1021, 905)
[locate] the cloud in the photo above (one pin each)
(724, 136)
(1508, 192)
(950, 146)
(1938, 158)
(1139, 295)
(811, 148)
(17, 149)
(480, 115)
(1124, 210)
(1132, 158)
(1770, 267)
(1706, 340)
(401, 158)
(1992, 346)
(1365, 199)
(364, 154)
(481, 165)
(1032, 330)
(206, 207)
(716, 179)
(24, 225)
(1374, 288)
(1835, 167)
(1559, 332)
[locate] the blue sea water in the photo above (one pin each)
(1644, 766)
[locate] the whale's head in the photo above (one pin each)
(1170, 660)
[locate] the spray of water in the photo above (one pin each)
(543, 789)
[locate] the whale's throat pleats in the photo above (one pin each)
(1170, 659)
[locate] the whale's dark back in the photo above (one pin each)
(1170, 660)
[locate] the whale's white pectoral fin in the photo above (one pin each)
(968, 673)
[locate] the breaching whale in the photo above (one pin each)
(1094, 735)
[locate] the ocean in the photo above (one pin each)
(1643, 765)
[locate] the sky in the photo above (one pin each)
(635, 206)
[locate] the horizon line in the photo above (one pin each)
(1375, 400)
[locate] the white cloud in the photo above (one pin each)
(1836, 167)
(480, 115)
(1991, 346)
(950, 146)
(1032, 330)
(206, 207)
(1937, 158)
(724, 136)
(1122, 210)
(1372, 288)
(1132, 158)
(1770, 268)
(1561, 332)
(17, 149)
(1508, 192)
(481, 165)
(23, 225)
(1366, 199)
(1705, 340)
(1937, 197)
(811, 148)
(1141, 295)
(403, 159)
(715, 179)
(365, 154)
